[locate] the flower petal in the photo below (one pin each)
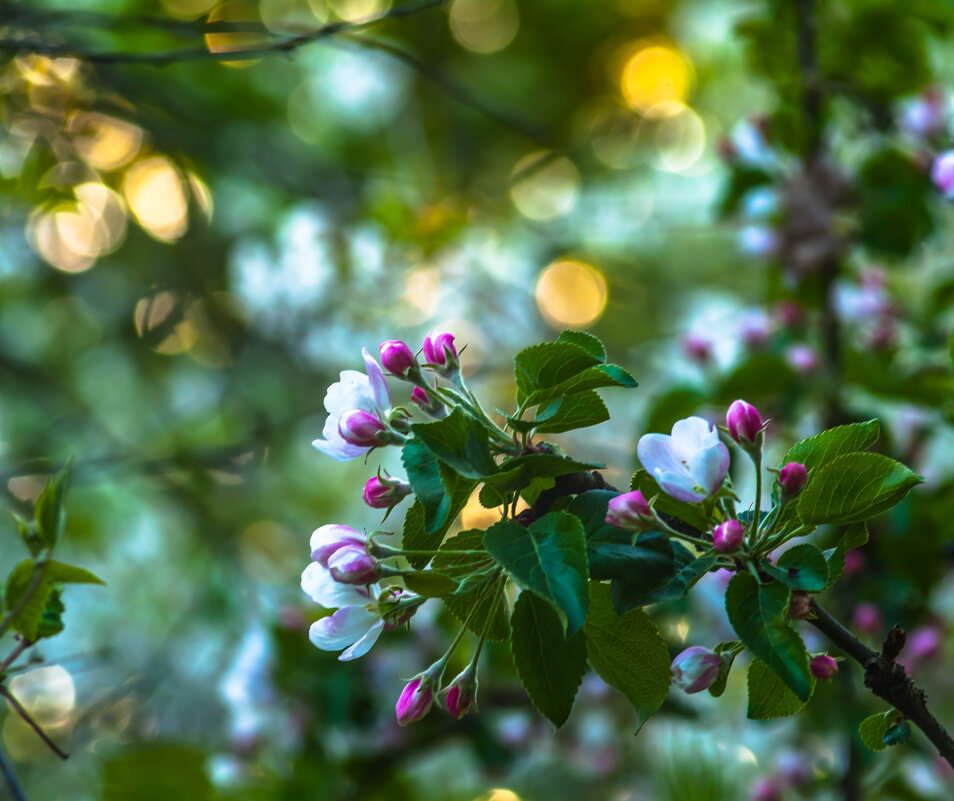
(655, 452)
(680, 486)
(362, 646)
(691, 434)
(345, 627)
(710, 466)
(379, 384)
(353, 391)
(327, 539)
(318, 584)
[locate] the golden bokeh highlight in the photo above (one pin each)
(354, 10)
(422, 289)
(187, 9)
(500, 794)
(236, 11)
(48, 693)
(544, 186)
(484, 26)
(654, 74)
(156, 196)
(104, 142)
(473, 515)
(678, 136)
(291, 16)
(153, 312)
(571, 292)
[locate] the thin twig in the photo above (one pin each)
(15, 654)
(179, 55)
(16, 789)
(21, 711)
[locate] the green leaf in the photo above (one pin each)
(51, 622)
(873, 729)
(898, 734)
(690, 513)
(549, 665)
(460, 442)
(756, 612)
(28, 618)
(854, 487)
(547, 365)
(518, 473)
(49, 511)
(548, 558)
(571, 412)
(424, 475)
(601, 375)
(822, 448)
(769, 698)
(855, 536)
(590, 343)
(70, 574)
(416, 535)
(429, 584)
(627, 652)
(728, 651)
(482, 610)
(802, 567)
(157, 772)
(688, 570)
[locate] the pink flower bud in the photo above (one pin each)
(799, 605)
(439, 348)
(824, 667)
(802, 358)
(360, 428)
(696, 669)
(629, 510)
(352, 564)
(942, 174)
(415, 700)
(792, 478)
(728, 536)
(396, 356)
(867, 618)
(419, 397)
(384, 493)
(697, 348)
(744, 422)
(462, 692)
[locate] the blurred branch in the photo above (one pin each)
(887, 679)
(16, 790)
(162, 58)
(21, 711)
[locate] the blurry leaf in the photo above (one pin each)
(157, 772)
(429, 584)
(590, 343)
(873, 729)
(70, 574)
(854, 537)
(674, 405)
(550, 666)
(548, 558)
(460, 442)
(760, 378)
(573, 411)
(769, 698)
(853, 488)
(741, 180)
(49, 512)
(802, 567)
(756, 612)
(548, 364)
(25, 574)
(627, 652)
(482, 610)
(893, 197)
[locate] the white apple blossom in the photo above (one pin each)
(689, 465)
(354, 391)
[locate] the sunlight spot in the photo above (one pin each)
(571, 292)
(655, 74)
(236, 11)
(484, 26)
(104, 142)
(48, 693)
(156, 195)
(544, 186)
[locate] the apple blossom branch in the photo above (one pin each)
(284, 45)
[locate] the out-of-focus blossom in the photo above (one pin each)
(246, 686)
(867, 619)
(802, 358)
(823, 667)
(697, 348)
(795, 768)
(923, 644)
(749, 144)
(754, 327)
(696, 669)
(690, 464)
(789, 314)
(728, 536)
(757, 240)
(854, 563)
(924, 116)
(760, 202)
(367, 392)
(357, 623)
(942, 174)
(769, 788)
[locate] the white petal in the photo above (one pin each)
(345, 627)
(710, 466)
(338, 449)
(689, 435)
(680, 486)
(332, 534)
(353, 391)
(655, 453)
(362, 646)
(379, 384)
(318, 584)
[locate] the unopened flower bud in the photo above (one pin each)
(416, 698)
(352, 564)
(629, 510)
(462, 692)
(744, 422)
(942, 174)
(824, 667)
(728, 536)
(396, 356)
(792, 478)
(799, 605)
(360, 428)
(439, 349)
(696, 669)
(383, 493)
(419, 398)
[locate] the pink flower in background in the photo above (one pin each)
(354, 392)
(942, 174)
(802, 358)
(690, 464)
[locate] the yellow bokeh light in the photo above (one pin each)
(484, 26)
(655, 74)
(104, 142)
(151, 313)
(678, 136)
(500, 794)
(155, 193)
(290, 16)
(544, 186)
(48, 693)
(236, 11)
(422, 289)
(187, 9)
(353, 10)
(571, 292)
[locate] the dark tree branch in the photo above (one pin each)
(6, 768)
(22, 712)
(162, 58)
(888, 680)
(564, 486)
